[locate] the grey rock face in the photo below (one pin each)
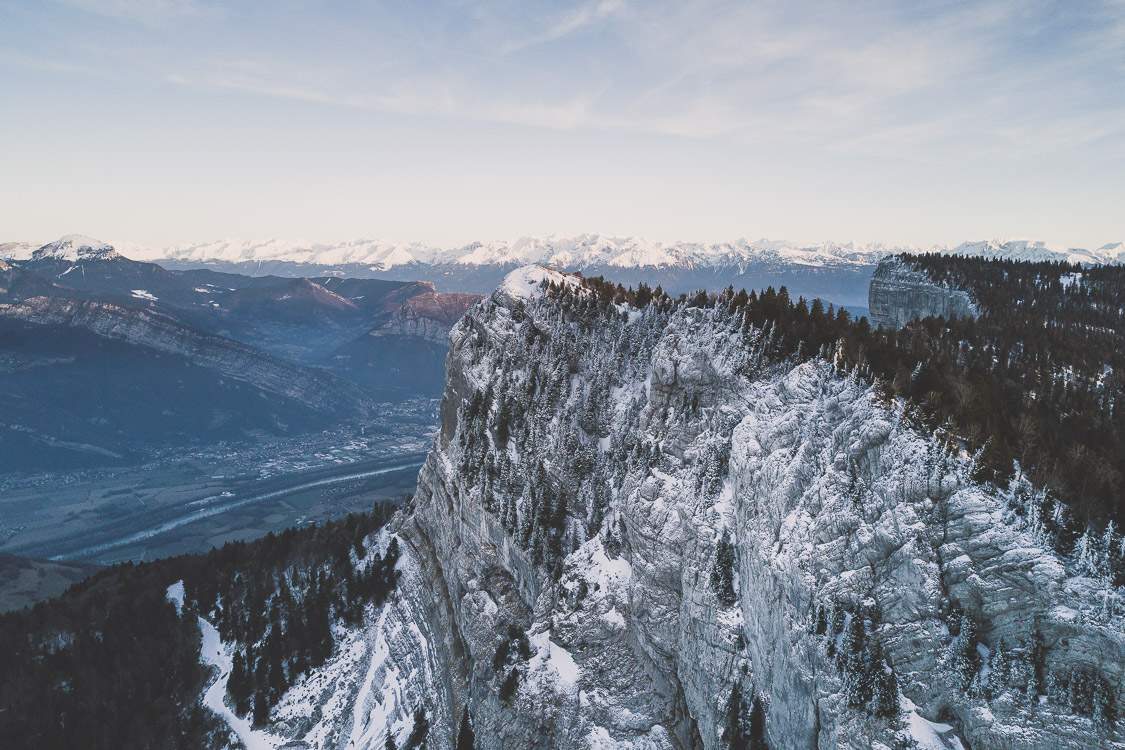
(899, 294)
(831, 501)
(427, 316)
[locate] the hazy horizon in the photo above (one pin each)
(124, 245)
(179, 121)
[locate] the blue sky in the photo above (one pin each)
(904, 122)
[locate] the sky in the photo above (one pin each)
(169, 121)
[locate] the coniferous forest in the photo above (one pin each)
(112, 664)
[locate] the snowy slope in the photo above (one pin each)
(75, 248)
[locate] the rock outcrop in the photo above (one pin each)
(665, 444)
(428, 316)
(899, 294)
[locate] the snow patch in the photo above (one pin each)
(176, 596)
(615, 618)
(929, 735)
(213, 653)
(142, 294)
(524, 283)
(552, 658)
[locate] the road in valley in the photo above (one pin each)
(156, 529)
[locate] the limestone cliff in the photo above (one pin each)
(429, 316)
(598, 473)
(898, 294)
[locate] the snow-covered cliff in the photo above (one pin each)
(637, 529)
(899, 294)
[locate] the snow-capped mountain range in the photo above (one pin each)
(571, 252)
(835, 272)
(591, 250)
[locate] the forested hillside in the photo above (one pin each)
(114, 664)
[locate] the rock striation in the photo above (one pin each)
(429, 316)
(899, 294)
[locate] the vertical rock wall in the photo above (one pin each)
(836, 508)
(898, 294)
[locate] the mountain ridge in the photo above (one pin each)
(589, 250)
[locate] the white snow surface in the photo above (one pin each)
(176, 596)
(145, 295)
(552, 663)
(525, 283)
(215, 654)
(74, 248)
(929, 735)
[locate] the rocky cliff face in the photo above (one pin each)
(634, 525)
(899, 294)
(428, 316)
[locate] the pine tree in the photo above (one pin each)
(757, 729)
(965, 661)
(261, 709)
(239, 684)
(993, 462)
(883, 702)
(722, 573)
(510, 685)
(852, 645)
(734, 734)
(465, 737)
(1102, 706)
(418, 733)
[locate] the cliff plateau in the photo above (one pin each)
(899, 294)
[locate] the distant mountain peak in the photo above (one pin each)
(74, 248)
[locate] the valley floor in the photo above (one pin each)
(190, 502)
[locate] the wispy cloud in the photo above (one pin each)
(885, 78)
(571, 20)
(156, 12)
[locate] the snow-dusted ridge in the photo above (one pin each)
(592, 250)
(659, 435)
(526, 282)
(74, 248)
(575, 252)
